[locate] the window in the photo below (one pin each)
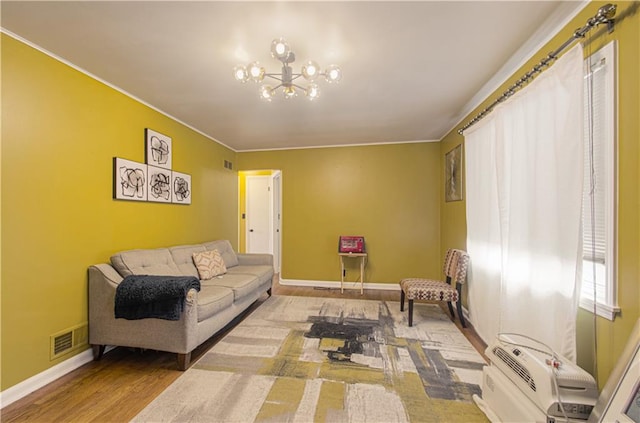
(599, 196)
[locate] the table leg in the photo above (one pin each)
(341, 275)
(362, 275)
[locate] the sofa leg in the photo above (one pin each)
(98, 351)
(183, 361)
(269, 291)
(401, 300)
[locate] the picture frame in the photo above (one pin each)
(129, 180)
(453, 174)
(158, 149)
(181, 188)
(158, 185)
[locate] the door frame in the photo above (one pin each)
(276, 202)
(275, 216)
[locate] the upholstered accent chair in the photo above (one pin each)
(455, 270)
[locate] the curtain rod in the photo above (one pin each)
(605, 15)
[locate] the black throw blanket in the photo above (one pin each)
(161, 297)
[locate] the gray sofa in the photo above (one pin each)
(219, 301)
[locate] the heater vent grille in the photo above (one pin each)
(62, 343)
(68, 340)
(516, 367)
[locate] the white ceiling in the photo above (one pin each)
(411, 70)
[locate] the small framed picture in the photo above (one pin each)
(129, 180)
(453, 174)
(181, 188)
(158, 151)
(159, 185)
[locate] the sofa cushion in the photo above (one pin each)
(145, 262)
(212, 299)
(263, 273)
(241, 284)
(209, 264)
(225, 249)
(183, 258)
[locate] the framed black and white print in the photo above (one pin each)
(159, 184)
(129, 180)
(453, 174)
(158, 149)
(181, 188)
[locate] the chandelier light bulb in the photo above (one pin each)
(256, 72)
(266, 92)
(313, 92)
(289, 92)
(240, 73)
(333, 74)
(310, 70)
(280, 49)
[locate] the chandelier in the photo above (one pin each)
(310, 71)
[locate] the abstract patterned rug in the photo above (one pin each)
(303, 359)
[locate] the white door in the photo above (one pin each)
(259, 214)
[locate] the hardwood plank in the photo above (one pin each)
(118, 387)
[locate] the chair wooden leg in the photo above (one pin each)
(401, 300)
(460, 316)
(453, 316)
(410, 313)
(459, 304)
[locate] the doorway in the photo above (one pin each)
(262, 214)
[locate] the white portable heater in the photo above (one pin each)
(524, 384)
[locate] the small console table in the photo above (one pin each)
(363, 261)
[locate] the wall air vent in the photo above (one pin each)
(62, 343)
(517, 368)
(68, 340)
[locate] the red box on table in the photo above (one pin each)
(351, 244)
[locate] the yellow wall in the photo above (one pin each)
(612, 336)
(60, 131)
(386, 193)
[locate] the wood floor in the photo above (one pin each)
(119, 386)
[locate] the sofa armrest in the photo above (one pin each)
(165, 335)
(105, 273)
(245, 259)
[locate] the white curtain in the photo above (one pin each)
(524, 165)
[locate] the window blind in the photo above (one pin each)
(595, 186)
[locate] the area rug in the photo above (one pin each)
(304, 359)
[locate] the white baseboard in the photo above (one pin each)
(24, 388)
(336, 285)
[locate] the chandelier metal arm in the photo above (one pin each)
(278, 76)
